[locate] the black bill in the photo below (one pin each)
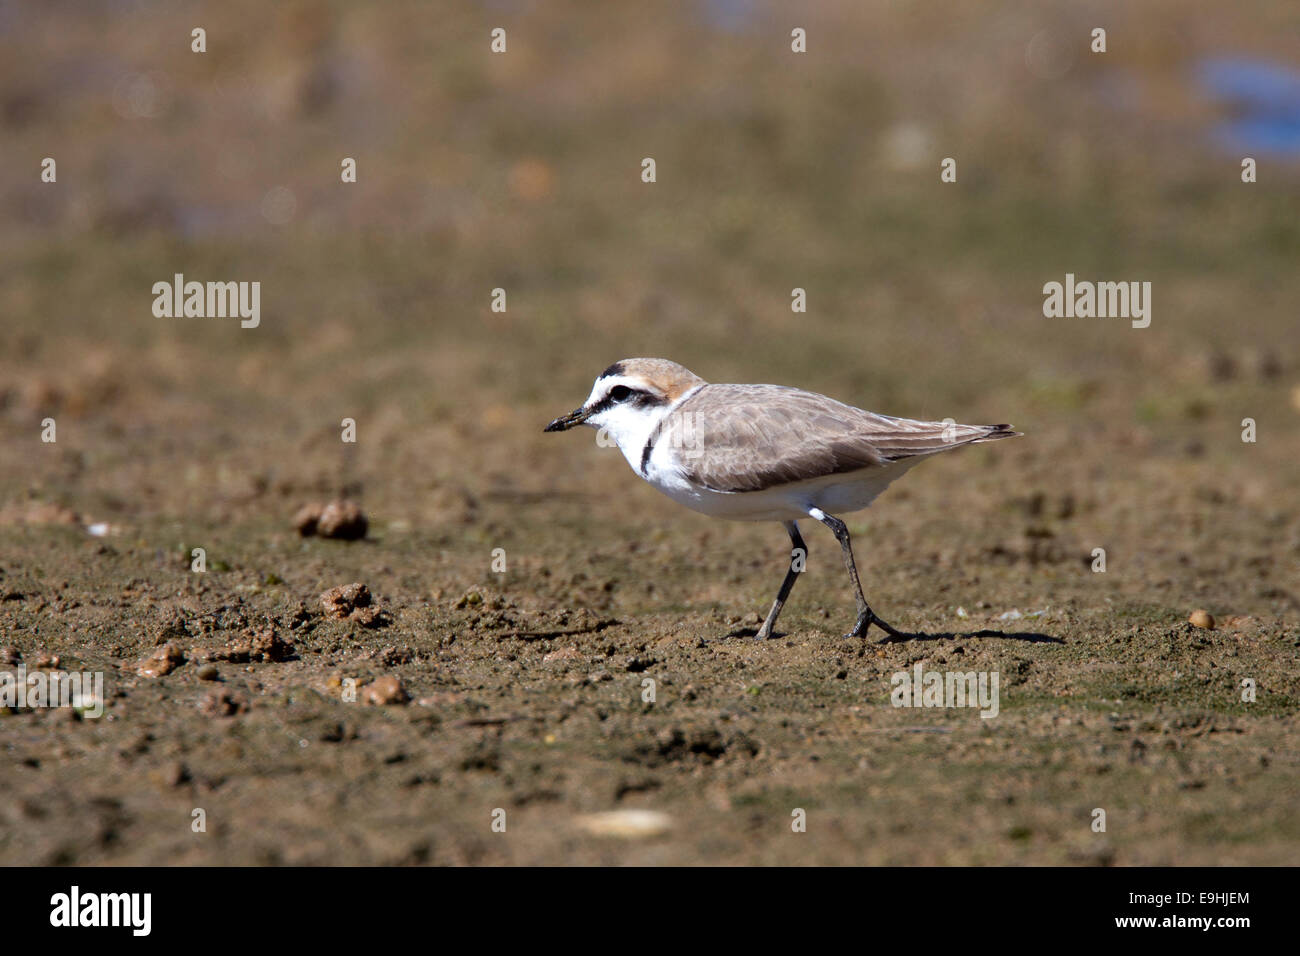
(565, 422)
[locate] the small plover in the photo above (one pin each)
(762, 453)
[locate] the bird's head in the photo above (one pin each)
(629, 398)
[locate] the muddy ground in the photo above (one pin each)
(522, 690)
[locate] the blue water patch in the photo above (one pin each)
(1264, 99)
(729, 16)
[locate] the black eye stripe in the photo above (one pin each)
(602, 405)
(636, 397)
(643, 399)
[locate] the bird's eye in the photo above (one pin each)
(620, 393)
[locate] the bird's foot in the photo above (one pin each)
(864, 622)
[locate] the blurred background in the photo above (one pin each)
(522, 171)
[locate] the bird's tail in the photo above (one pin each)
(996, 432)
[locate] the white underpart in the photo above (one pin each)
(631, 427)
(833, 494)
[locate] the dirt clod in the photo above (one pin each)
(351, 602)
(171, 774)
(164, 659)
(341, 601)
(383, 691)
(342, 520)
(222, 703)
(255, 644)
(371, 617)
(307, 517)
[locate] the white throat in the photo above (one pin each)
(631, 428)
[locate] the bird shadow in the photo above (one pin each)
(1028, 637)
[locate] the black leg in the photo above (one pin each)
(798, 557)
(866, 616)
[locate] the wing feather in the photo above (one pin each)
(750, 437)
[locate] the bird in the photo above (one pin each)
(763, 453)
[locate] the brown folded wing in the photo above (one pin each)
(750, 437)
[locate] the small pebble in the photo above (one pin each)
(1201, 618)
(632, 824)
